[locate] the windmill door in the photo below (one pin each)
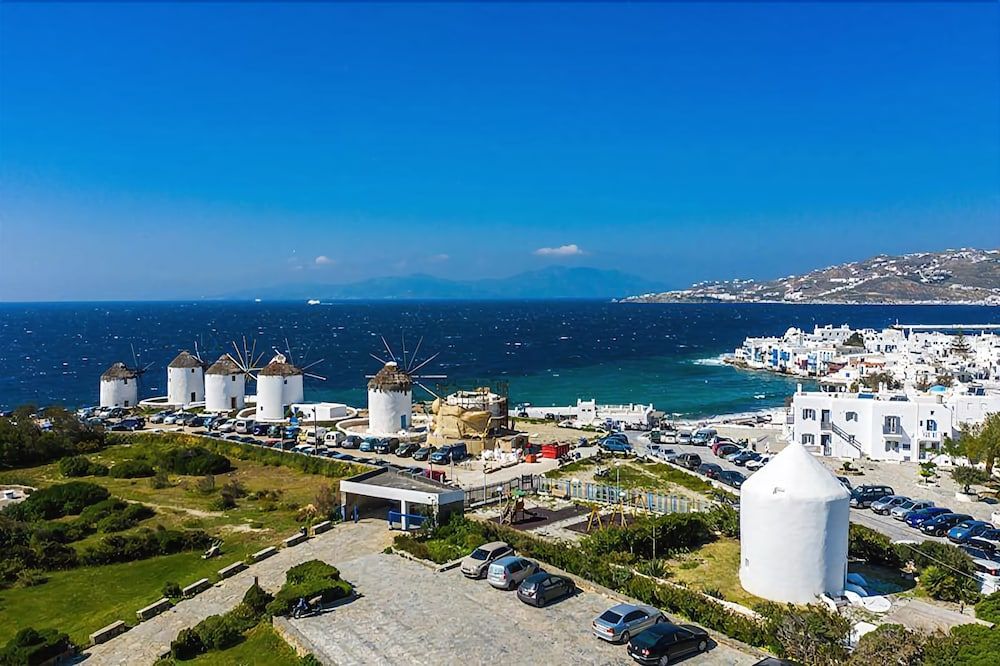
(232, 402)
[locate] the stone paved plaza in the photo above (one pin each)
(408, 614)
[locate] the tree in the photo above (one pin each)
(982, 442)
(856, 340)
(960, 346)
(944, 379)
(876, 379)
(890, 644)
(945, 585)
(326, 501)
(922, 384)
(927, 471)
(966, 475)
(811, 635)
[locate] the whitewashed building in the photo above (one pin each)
(588, 412)
(119, 386)
(390, 400)
(794, 521)
(279, 385)
(886, 425)
(225, 386)
(185, 380)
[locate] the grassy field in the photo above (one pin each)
(262, 647)
(714, 566)
(659, 477)
(84, 599)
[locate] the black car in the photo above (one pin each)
(246, 439)
(408, 449)
(731, 478)
(259, 429)
(863, 496)
(711, 470)
(690, 461)
(745, 457)
(665, 642)
(386, 445)
(197, 422)
(543, 587)
(423, 453)
(352, 442)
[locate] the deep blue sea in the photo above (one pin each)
(550, 352)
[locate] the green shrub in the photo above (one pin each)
(308, 580)
(57, 501)
(989, 608)
(965, 645)
(30, 647)
(171, 590)
(132, 469)
(217, 632)
(194, 461)
(946, 572)
(256, 599)
(143, 544)
(187, 645)
(873, 547)
(75, 466)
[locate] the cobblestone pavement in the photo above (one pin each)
(146, 642)
(408, 614)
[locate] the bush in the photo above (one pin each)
(989, 608)
(946, 572)
(890, 644)
(194, 461)
(217, 632)
(256, 599)
(30, 647)
(132, 469)
(57, 501)
(966, 475)
(171, 590)
(809, 635)
(873, 547)
(81, 466)
(160, 480)
(308, 580)
(945, 585)
(967, 645)
(143, 544)
(187, 645)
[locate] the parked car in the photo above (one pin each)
(619, 623)
(988, 541)
(745, 457)
(171, 418)
(615, 445)
(884, 505)
(939, 525)
(450, 453)
(690, 461)
(863, 496)
(247, 439)
(478, 561)
(185, 418)
(229, 425)
(844, 481)
(725, 450)
(899, 512)
(543, 587)
(967, 529)
(386, 445)
(423, 453)
(508, 572)
(407, 449)
(352, 442)
(158, 417)
(684, 437)
(732, 478)
(987, 572)
(704, 436)
(754, 465)
(711, 470)
(196, 422)
(367, 445)
(921, 516)
(665, 642)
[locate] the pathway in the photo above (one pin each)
(146, 642)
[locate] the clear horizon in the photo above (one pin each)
(173, 152)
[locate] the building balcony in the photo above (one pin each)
(892, 432)
(930, 436)
(826, 425)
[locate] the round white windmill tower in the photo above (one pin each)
(185, 379)
(794, 519)
(390, 400)
(225, 385)
(279, 383)
(119, 386)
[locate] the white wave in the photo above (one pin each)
(714, 360)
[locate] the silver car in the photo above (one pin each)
(884, 505)
(478, 561)
(620, 623)
(508, 572)
(899, 512)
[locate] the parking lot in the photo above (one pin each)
(408, 614)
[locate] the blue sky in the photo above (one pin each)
(164, 150)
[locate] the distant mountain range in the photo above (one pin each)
(952, 276)
(551, 282)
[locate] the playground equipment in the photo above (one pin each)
(213, 551)
(513, 509)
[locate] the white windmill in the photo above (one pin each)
(279, 384)
(390, 390)
(120, 383)
(186, 378)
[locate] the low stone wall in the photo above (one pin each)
(294, 540)
(296, 639)
(263, 554)
(319, 528)
(196, 587)
(108, 632)
(232, 569)
(153, 609)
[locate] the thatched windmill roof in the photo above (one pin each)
(118, 371)
(224, 366)
(391, 378)
(186, 360)
(279, 367)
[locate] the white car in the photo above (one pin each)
(170, 419)
(227, 426)
(757, 464)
